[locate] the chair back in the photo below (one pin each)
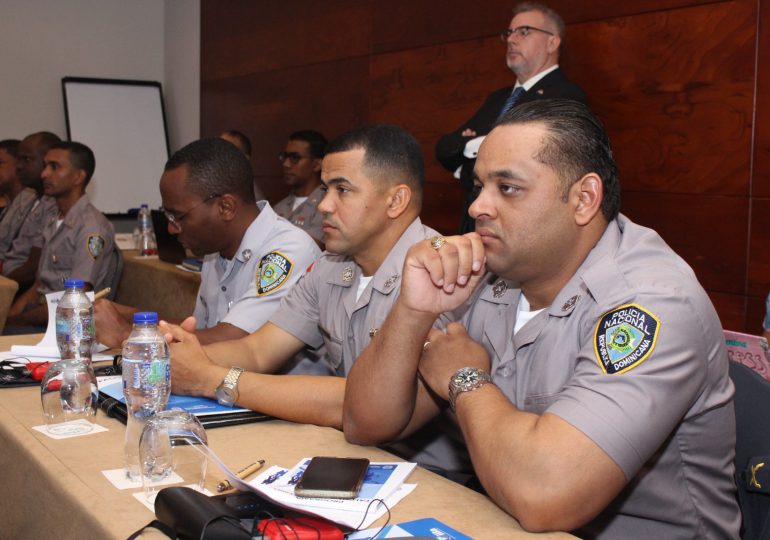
(115, 270)
(8, 288)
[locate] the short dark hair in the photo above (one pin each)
(244, 144)
(11, 146)
(316, 141)
(390, 152)
(576, 145)
(80, 156)
(549, 13)
(44, 140)
(215, 166)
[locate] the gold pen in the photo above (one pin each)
(244, 473)
(101, 294)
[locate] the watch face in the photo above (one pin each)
(226, 395)
(466, 377)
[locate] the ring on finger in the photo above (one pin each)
(437, 242)
(425, 346)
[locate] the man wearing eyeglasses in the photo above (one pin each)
(532, 39)
(252, 256)
(301, 162)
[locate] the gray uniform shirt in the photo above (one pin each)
(631, 353)
(31, 233)
(80, 247)
(14, 216)
(246, 290)
(322, 309)
(306, 216)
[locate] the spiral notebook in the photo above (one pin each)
(210, 413)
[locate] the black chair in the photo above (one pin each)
(752, 450)
(114, 271)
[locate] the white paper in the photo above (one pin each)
(96, 428)
(118, 478)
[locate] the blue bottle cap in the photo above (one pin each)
(145, 317)
(74, 283)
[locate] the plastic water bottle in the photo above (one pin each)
(146, 382)
(68, 390)
(75, 332)
(146, 238)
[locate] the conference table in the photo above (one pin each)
(55, 488)
(150, 284)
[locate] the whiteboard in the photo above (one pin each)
(124, 123)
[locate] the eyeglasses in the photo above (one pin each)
(176, 221)
(522, 32)
(294, 157)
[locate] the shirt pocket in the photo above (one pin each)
(334, 350)
(539, 403)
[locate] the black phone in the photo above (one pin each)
(332, 478)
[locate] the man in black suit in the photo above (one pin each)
(532, 43)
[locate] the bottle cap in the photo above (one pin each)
(144, 206)
(145, 317)
(74, 283)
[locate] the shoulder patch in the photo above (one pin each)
(95, 245)
(624, 338)
(273, 271)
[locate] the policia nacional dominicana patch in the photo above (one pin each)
(274, 270)
(625, 337)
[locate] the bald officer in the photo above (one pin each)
(373, 177)
(78, 240)
(252, 257)
(589, 374)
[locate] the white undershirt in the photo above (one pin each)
(363, 281)
(297, 202)
(523, 314)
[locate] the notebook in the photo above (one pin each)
(210, 413)
(750, 350)
(169, 248)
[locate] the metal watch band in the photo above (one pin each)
(478, 379)
(231, 380)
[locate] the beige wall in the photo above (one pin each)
(45, 40)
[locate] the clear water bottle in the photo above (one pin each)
(146, 382)
(146, 243)
(75, 331)
(68, 390)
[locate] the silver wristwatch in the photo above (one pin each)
(227, 392)
(464, 380)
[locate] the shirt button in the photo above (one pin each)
(224, 288)
(505, 371)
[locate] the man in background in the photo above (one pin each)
(252, 258)
(21, 260)
(242, 143)
(78, 240)
(533, 40)
(19, 198)
(301, 162)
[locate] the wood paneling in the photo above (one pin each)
(715, 248)
(678, 104)
(239, 37)
(675, 81)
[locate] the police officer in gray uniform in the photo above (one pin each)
(590, 378)
(301, 162)
(373, 177)
(252, 256)
(21, 259)
(20, 198)
(78, 242)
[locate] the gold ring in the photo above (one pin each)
(425, 346)
(437, 242)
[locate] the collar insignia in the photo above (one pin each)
(499, 289)
(347, 275)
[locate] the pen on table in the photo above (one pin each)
(101, 294)
(244, 473)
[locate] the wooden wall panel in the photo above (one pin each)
(239, 37)
(759, 248)
(329, 97)
(731, 309)
(761, 177)
(677, 104)
(715, 248)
